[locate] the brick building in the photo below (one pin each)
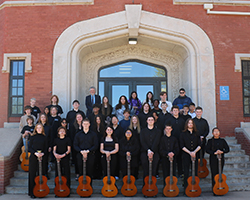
(62, 47)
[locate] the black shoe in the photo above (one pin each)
(47, 176)
(32, 197)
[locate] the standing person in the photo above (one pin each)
(163, 116)
(143, 115)
(178, 126)
(185, 114)
(215, 146)
(91, 100)
(163, 97)
(202, 127)
(192, 110)
(27, 129)
(95, 112)
(38, 147)
(169, 148)
(135, 103)
(71, 116)
(124, 123)
(182, 99)
(23, 120)
(77, 128)
(61, 151)
(54, 101)
(128, 147)
(156, 111)
(120, 107)
(86, 143)
(46, 111)
(106, 110)
(150, 140)
(35, 110)
(190, 144)
(109, 147)
(64, 124)
(118, 130)
(149, 99)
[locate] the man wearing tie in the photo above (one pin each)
(91, 100)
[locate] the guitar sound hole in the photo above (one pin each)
(128, 182)
(40, 182)
(108, 182)
(84, 182)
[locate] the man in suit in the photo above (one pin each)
(91, 100)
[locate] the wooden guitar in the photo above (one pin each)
(193, 189)
(150, 189)
(61, 189)
(220, 187)
(84, 188)
(202, 167)
(128, 189)
(171, 189)
(41, 188)
(25, 156)
(109, 189)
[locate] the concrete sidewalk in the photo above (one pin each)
(244, 195)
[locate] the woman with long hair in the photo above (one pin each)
(106, 110)
(120, 107)
(54, 101)
(149, 99)
(143, 115)
(135, 103)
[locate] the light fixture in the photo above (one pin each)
(132, 40)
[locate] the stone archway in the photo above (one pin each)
(181, 46)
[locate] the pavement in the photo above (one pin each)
(244, 195)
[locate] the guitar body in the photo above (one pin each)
(61, 189)
(193, 190)
(25, 162)
(171, 190)
(109, 189)
(84, 190)
(150, 190)
(202, 170)
(41, 189)
(220, 188)
(129, 189)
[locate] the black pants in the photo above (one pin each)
(203, 148)
(34, 170)
(145, 163)
(124, 165)
(187, 164)
(65, 169)
(98, 165)
(113, 164)
(89, 164)
(75, 160)
(213, 161)
(166, 167)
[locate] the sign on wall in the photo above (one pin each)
(224, 92)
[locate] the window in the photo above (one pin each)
(246, 86)
(16, 93)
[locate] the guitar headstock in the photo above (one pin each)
(150, 159)
(128, 158)
(219, 156)
(26, 137)
(58, 160)
(108, 158)
(171, 159)
(193, 159)
(84, 159)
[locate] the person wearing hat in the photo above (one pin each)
(95, 112)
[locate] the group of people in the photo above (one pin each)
(156, 129)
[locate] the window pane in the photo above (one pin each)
(246, 109)
(20, 110)
(20, 73)
(163, 86)
(142, 90)
(14, 71)
(14, 101)
(132, 69)
(20, 83)
(20, 91)
(20, 101)
(101, 89)
(117, 91)
(246, 87)
(14, 91)
(14, 109)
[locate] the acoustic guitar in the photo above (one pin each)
(25, 156)
(150, 189)
(193, 189)
(202, 166)
(220, 186)
(41, 188)
(109, 189)
(128, 189)
(84, 188)
(171, 189)
(61, 189)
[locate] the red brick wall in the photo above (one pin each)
(36, 29)
(244, 141)
(7, 168)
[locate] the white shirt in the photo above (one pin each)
(169, 106)
(193, 115)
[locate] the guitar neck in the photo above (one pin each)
(201, 158)
(150, 172)
(26, 148)
(171, 172)
(59, 171)
(108, 171)
(220, 176)
(40, 170)
(84, 170)
(193, 172)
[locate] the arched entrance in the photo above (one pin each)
(179, 46)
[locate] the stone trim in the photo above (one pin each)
(216, 2)
(45, 3)
(238, 58)
(7, 57)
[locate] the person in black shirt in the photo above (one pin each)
(86, 143)
(35, 110)
(150, 140)
(202, 127)
(106, 110)
(185, 114)
(109, 147)
(178, 126)
(95, 112)
(163, 116)
(38, 147)
(118, 130)
(156, 111)
(143, 115)
(215, 146)
(190, 144)
(54, 102)
(169, 148)
(64, 124)
(61, 150)
(28, 129)
(128, 146)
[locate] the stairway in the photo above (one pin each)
(237, 170)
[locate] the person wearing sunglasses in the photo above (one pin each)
(182, 99)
